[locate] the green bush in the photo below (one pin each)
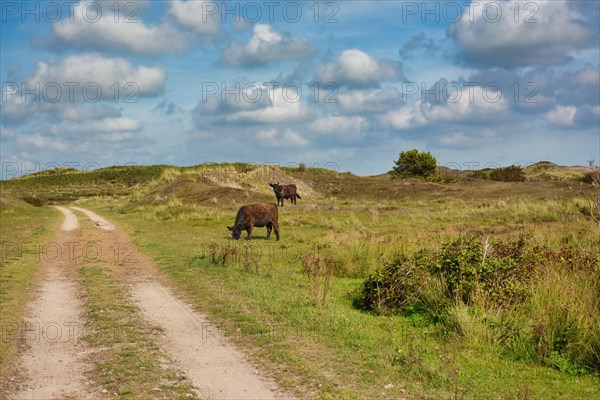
(394, 288)
(35, 200)
(502, 270)
(514, 173)
(485, 174)
(534, 302)
(413, 163)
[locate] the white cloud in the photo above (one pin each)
(76, 113)
(463, 140)
(6, 132)
(84, 78)
(127, 34)
(264, 47)
(345, 127)
(369, 100)
(562, 116)
(404, 118)
(273, 138)
(197, 15)
(105, 71)
(42, 142)
(543, 33)
(281, 107)
(354, 67)
(455, 139)
(588, 76)
(104, 125)
(480, 106)
(471, 106)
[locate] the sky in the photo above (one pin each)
(343, 85)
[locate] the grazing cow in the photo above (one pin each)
(285, 192)
(258, 215)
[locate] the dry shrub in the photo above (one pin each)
(319, 269)
(514, 173)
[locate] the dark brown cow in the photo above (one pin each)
(285, 192)
(258, 215)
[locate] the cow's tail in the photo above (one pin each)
(298, 196)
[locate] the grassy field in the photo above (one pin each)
(24, 231)
(307, 330)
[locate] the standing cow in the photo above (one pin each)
(258, 215)
(285, 192)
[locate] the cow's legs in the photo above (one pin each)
(249, 230)
(269, 228)
(276, 229)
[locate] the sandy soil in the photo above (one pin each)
(96, 219)
(217, 369)
(56, 369)
(53, 361)
(71, 222)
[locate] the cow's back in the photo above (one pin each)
(289, 190)
(261, 214)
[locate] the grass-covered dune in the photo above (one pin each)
(460, 288)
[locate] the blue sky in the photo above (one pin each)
(346, 84)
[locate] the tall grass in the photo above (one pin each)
(526, 300)
(559, 323)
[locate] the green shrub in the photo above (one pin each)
(514, 173)
(501, 269)
(35, 200)
(413, 163)
(485, 174)
(394, 288)
(534, 302)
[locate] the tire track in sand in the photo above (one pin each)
(95, 218)
(52, 363)
(217, 370)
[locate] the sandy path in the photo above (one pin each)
(53, 363)
(216, 369)
(71, 222)
(96, 219)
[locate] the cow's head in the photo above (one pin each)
(236, 231)
(276, 187)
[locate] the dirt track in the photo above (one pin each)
(52, 362)
(59, 369)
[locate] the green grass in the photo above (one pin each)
(129, 363)
(127, 357)
(337, 351)
(24, 229)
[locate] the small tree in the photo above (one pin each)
(414, 163)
